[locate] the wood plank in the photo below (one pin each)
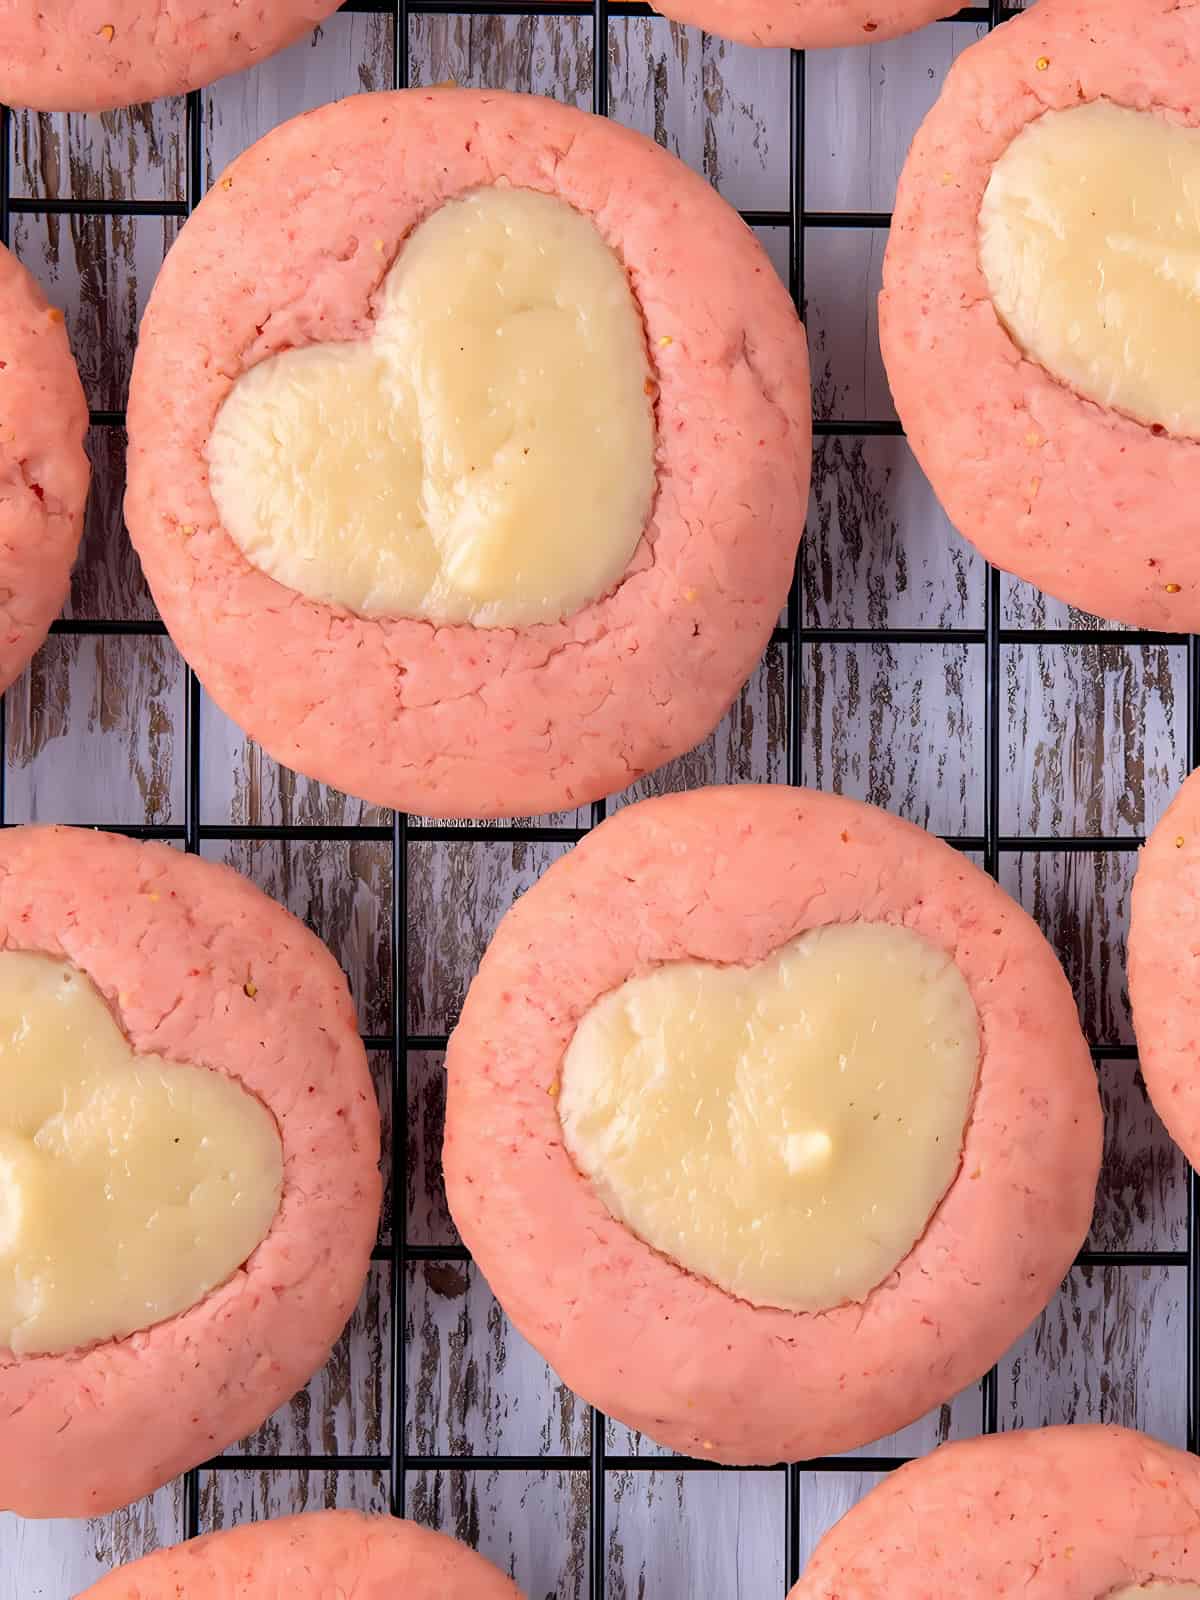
(695, 1533)
(1104, 1351)
(94, 733)
(900, 726)
(879, 552)
(532, 1525)
(133, 153)
(1095, 737)
(475, 1387)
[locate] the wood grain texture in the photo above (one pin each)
(231, 1496)
(134, 153)
(107, 583)
(1141, 1202)
(457, 893)
(843, 269)
(533, 55)
(879, 552)
(1101, 1352)
(429, 1220)
(349, 53)
(532, 1525)
(54, 1560)
(900, 726)
(94, 733)
(695, 1533)
(1095, 739)
(1081, 901)
(99, 271)
(862, 107)
(474, 1380)
(714, 104)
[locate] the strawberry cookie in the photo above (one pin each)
(1043, 250)
(44, 472)
(455, 481)
(769, 1121)
(189, 1183)
(1080, 1513)
(92, 55)
(1164, 967)
(807, 24)
(314, 1557)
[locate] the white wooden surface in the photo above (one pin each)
(1093, 740)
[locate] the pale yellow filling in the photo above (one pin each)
(129, 1185)
(487, 457)
(1090, 243)
(785, 1130)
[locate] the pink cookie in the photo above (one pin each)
(1094, 507)
(43, 470)
(455, 719)
(728, 876)
(92, 55)
(1051, 1514)
(200, 967)
(314, 1557)
(807, 24)
(1164, 968)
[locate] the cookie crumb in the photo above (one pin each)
(108, 33)
(1174, 588)
(1042, 63)
(249, 988)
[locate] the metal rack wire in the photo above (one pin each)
(400, 834)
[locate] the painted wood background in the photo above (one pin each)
(1093, 740)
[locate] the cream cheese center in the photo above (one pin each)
(785, 1130)
(486, 457)
(1089, 239)
(129, 1185)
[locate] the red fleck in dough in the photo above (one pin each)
(320, 1556)
(44, 472)
(729, 875)
(91, 55)
(175, 944)
(807, 24)
(1048, 1514)
(1164, 967)
(460, 720)
(1083, 501)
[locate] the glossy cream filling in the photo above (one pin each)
(486, 457)
(1090, 243)
(785, 1130)
(129, 1186)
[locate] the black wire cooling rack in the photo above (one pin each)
(991, 845)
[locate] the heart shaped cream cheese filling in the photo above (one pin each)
(785, 1130)
(129, 1186)
(487, 456)
(1089, 239)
